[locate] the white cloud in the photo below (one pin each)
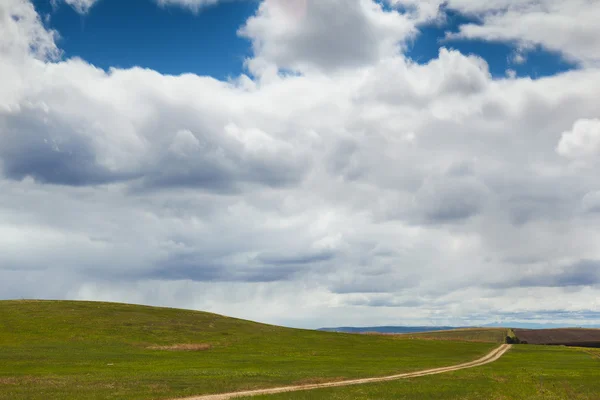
(567, 27)
(373, 187)
(81, 6)
(193, 5)
(325, 35)
(519, 58)
(22, 33)
(84, 6)
(582, 141)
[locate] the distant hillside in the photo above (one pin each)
(562, 336)
(466, 334)
(388, 329)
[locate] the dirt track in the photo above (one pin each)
(491, 357)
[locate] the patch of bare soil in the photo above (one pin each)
(183, 347)
(31, 380)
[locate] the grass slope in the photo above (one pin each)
(526, 372)
(89, 350)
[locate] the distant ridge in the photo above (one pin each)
(389, 329)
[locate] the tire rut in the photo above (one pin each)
(488, 358)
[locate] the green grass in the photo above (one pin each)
(526, 372)
(491, 335)
(88, 350)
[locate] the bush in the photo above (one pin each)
(513, 340)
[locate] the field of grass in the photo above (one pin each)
(88, 350)
(491, 335)
(526, 372)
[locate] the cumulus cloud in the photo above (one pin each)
(22, 34)
(359, 182)
(568, 28)
(583, 140)
(304, 35)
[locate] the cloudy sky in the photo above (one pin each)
(304, 162)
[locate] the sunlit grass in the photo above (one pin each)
(526, 372)
(88, 350)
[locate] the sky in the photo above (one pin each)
(306, 163)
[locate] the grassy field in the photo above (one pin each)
(491, 335)
(526, 372)
(87, 350)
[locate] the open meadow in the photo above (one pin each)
(526, 372)
(89, 350)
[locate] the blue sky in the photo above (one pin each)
(173, 40)
(499, 55)
(338, 182)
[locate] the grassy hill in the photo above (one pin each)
(526, 372)
(90, 350)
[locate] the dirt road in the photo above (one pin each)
(491, 357)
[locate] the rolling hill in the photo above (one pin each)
(92, 350)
